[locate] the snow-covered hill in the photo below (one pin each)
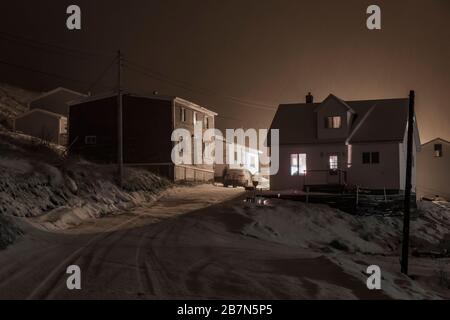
(13, 101)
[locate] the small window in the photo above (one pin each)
(206, 122)
(298, 164)
(183, 114)
(370, 157)
(63, 126)
(90, 139)
(195, 117)
(333, 122)
(375, 157)
(438, 150)
(333, 162)
(366, 157)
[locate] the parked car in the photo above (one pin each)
(238, 178)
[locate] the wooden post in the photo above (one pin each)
(119, 121)
(357, 195)
(407, 202)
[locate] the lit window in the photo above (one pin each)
(298, 164)
(63, 126)
(333, 160)
(438, 150)
(333, 122)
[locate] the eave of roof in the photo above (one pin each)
(182, 101)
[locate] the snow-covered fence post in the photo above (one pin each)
(307, 194)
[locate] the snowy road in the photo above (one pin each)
(187, 245)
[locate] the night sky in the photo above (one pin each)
(240, 58)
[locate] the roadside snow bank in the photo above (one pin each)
(36, 180)
(321, 227)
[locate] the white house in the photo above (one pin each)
(338, 143)
(433, 169)
(48, 115)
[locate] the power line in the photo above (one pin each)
(158, 76)
(58, 49)
(103, 73)
(49, 74)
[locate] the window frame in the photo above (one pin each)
(371, 157)
(330, 122)
(183, 114)
(90, 140)
(335, 164)
(299, 165)
(438, 150)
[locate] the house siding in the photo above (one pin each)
(317, 162)
(40, 125)
(433, 173)
(384, 174)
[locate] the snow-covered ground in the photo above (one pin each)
(205, 242)
(355, 242)
(37, 180)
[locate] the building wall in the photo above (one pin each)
(385, 174)
(147, 130)
(40, 125)
(317, 162)
(194, 172)
(433, 173)
(94, 118)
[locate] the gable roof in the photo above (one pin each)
(298, 123)
(57, 91)
(436, 140)
(339, 100)
(52, 114)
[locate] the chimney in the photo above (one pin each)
(309, 98)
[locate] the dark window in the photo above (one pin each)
(375, 157)
(370, 157)
(90, 139)
(438, 150)
(183, 114)
(366, 157)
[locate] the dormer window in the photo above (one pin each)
(438, 150)
(333, 122)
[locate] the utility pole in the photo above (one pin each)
(119, 120)
(408, 186)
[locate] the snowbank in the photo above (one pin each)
(352, 243)
(36, 180)
(321, 227)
